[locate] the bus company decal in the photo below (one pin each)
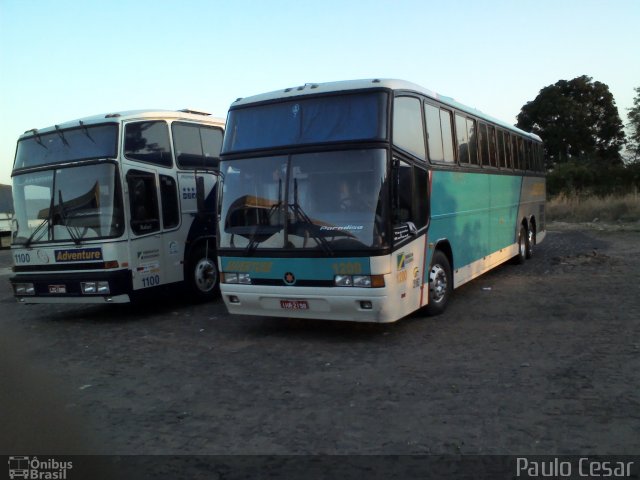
(404, 259)
(78, 255)
(153, 267)
(148, 255)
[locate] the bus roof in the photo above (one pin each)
(373, 83)
(186, 114)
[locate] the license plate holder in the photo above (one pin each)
(294, 304)
(57, 289)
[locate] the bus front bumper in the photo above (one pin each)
(345, 304)
(72, 287)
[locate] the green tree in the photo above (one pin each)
(633, 145)
(578, 120)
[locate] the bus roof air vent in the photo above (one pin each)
(112, 115)
(194, 112)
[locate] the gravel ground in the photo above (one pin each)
(536, 359)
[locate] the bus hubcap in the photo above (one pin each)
(205, 274)
(437, 283)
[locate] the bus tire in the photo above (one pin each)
(202, 276)
(522, 246)
(440, 284)
(531, 241)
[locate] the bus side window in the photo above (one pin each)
(462, 139)
(148, 142)
(196, 146)
(408, 133)
(143, 202)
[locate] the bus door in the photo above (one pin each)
(147, 256)
(409, 219)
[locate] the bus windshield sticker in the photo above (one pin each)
(401, 232)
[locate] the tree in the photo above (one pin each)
(633, 145)
(578, 120)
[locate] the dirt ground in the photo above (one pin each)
(542, 358)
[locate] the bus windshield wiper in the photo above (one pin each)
(35, 232)
(301, 217)
(86, 131)
(47, 221)
(36, 135)
(74, 234)
(61, 135)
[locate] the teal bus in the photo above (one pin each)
(367, 200)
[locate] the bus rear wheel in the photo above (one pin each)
(522, 246)
(531, 241)
(202, 274)
(440, 283)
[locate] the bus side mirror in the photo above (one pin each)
(200, 194)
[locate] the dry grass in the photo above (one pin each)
(589, 209)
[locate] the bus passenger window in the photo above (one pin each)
(484, 145)
(515, 152)
(462, 139)
(493, 161)
(434, 133)
(148, 142)
(407, 126)
(502, 163)
(472, 134)
(507, 150)
(447, 136)
(196, 146)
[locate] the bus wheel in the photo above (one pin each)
(440, 283)
(202, 274)
(522, 246)
(531, 241)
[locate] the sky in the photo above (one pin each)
(62, 60)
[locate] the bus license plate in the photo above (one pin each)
(294, 304)
(57, 289)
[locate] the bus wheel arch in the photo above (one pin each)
(440, 279)
(201, 275)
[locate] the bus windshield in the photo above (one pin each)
(304, 121)
(301, 202)
(67, 204)
(66, 145)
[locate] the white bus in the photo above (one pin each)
(112, 205)
(366, 200)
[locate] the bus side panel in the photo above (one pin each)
(476, 213)
(460, 214)
(503, 216)
(532, 204)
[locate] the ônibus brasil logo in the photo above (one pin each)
(33, 468)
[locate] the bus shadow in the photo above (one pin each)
(336, 331)
(150, 309)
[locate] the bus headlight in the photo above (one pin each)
(362, 281)
(93, 288)
(235, 277)
(24, 289)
